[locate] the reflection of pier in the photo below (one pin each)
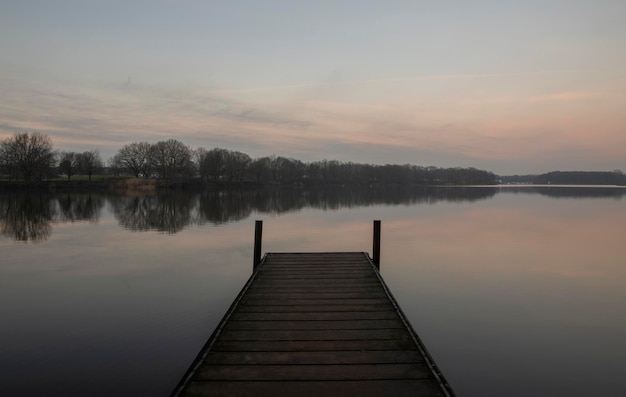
(311, 324)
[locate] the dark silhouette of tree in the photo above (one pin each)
(69, 163)
(508, 179)
(28, 156)
(223, 165)
(236, 165)
(581, 178)
(133, 158)
(212, 164)
(197, 156)
(171, 159)
(287, 170)
(259, 170)
(89, 162)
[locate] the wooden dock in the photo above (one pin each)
(314, 324)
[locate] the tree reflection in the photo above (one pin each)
(78, 207)
(27, 217)
(333, 199)
(220, 207)
(174, 212)
(168, 212)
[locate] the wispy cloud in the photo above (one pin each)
(567, 96)
(434, 77)
(445, 131)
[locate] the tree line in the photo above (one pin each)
(172, 159)
(616, 177)
(30, 156)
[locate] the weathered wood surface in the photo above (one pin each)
(310, 325)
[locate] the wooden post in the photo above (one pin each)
(376, 246)
(258, 237)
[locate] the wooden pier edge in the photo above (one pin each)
(207, 346)
(416, 339)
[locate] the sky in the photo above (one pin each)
(512, 87)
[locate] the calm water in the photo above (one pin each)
(515, 291)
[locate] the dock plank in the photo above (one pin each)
(377, 388)
(346, 308)
(318, 372)
(313, 345)
(311, 324)
(314, 316)
(316, 357)
(314, 334)
(294, 296)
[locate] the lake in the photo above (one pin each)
(515, 291)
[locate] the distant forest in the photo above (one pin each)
(30, 156)
(616, 177)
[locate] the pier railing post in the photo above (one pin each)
(376, 245)
(258, 237)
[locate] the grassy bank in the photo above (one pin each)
(79, 183)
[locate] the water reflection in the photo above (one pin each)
(169, 212)
(28, 217)
(80, 207)
(223, 207)
(519, 295)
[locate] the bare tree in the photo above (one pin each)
(213, 163)
(223, 164)
(7, 166)
(27, 155)
(69, 163)
(287, 170)
(171, 159)
(134, 158)
(236, 165)
(90, 162)
(198, 156)
(259, 169)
